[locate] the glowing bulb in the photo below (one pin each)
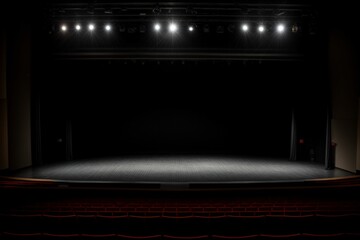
(91, 27)
(77, 27)
(280, 28)
(261, 28)
(108, 28)
(64, 28)
(157, 27)
(191, 28)
(245, 27)
(173, 27)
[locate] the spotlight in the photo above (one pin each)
(261, 29)
(280, 28)
(231, 28)
(173, 27)
(191, 28)
(206, 28)
(77, 27)
(157, 10)
(91, 27)
(108, 27)
(63, 28)
(157, 27)
(245, 28)
(122, 28)
(295, 28)
(220, 29)
(132, 29)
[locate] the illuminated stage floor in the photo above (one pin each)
(182, 170)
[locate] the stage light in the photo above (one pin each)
(77, 27)
(91, 27)
(132, 29)
(157, 27)
(280, 28)
(261, 29)
(245, 28)
(206, 28)
(173, 27)
(231, 28)
(191, 28)
(295, 28)
(63, 28)
(220, 29)
(157, 10)
(108, 27)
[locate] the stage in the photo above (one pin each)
(181, 169)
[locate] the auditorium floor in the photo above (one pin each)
(182, 169)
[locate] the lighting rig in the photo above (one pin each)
(198, 28)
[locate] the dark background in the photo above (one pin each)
(121, 107)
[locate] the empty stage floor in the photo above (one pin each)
(182, 169)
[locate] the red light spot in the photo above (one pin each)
(301, 141)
